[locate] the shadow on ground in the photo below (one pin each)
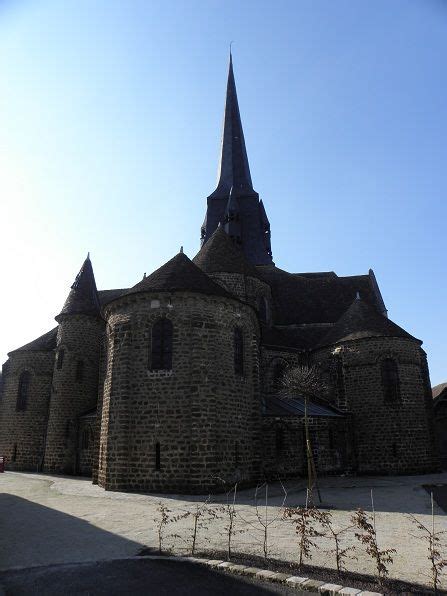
(52, 531)
(136, 577)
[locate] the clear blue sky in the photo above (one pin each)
(111, 116)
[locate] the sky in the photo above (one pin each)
(110, 119)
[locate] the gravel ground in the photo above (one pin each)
(52, 519)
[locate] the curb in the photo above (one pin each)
(293, 581)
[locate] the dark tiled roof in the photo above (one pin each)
(179, 274)
(307, 299)
(106, 296)
(360, 321)
(220, 254)
(274, 337)
(438, 389)
(44, 343)
(277, 406)
(83, 297)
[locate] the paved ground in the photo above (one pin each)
(142, 577)
(48, 519)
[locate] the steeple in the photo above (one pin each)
(235, 204)
(234, 171)
(83, 297)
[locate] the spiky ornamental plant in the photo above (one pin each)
(305, 381)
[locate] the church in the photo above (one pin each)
(173, 385)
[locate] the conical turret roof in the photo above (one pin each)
(220, 254)
(83, 297)
(179, 274)
(361, 321)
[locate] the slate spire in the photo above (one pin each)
(234, 171)
(235, 204)
(83, 297)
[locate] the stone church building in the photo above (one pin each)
(174, 382)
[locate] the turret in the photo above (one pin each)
(75, 377)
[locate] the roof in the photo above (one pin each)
(179, 274)
(83, 297)
(234, 171)
(106, 296)
(314, 298)
(277, 406)
(360, 321)
(220, 254)
(438, 389)
(44, 343)
(282, 338)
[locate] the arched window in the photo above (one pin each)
(390, 380)
(22, 393)
(161, 347)
(79, 371)
(238, 351)
(263, 309)
(60, 359)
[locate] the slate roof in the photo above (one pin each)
(83, 296)
(277, 406)
(178, 274)
(44, 343)
(438, 389)
(314, 298)
(106, 296)
(360, 321)
(220, 254)
(274, 337)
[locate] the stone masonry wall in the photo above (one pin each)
(248, 289)
(205, 419)
(79, 336)
(22, 433)
(284, 445)
(389, 437)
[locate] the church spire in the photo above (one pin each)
(234, 171)
(235, 204)
(83, 297)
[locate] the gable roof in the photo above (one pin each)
(179, 274)
(44, 343)
(314, 298)
(83, 297)
(361, 321)
(220, 254)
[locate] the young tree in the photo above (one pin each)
(165, 518)
(305, 381)
(433, 540)
(368, 537)
(342, 554)
(308, 523)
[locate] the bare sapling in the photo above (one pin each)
(166, 517)
(308, 523)
(265, 518)
(340, 552)
(230, 527)
(433, 540)
(202, 515)
(367, 535)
